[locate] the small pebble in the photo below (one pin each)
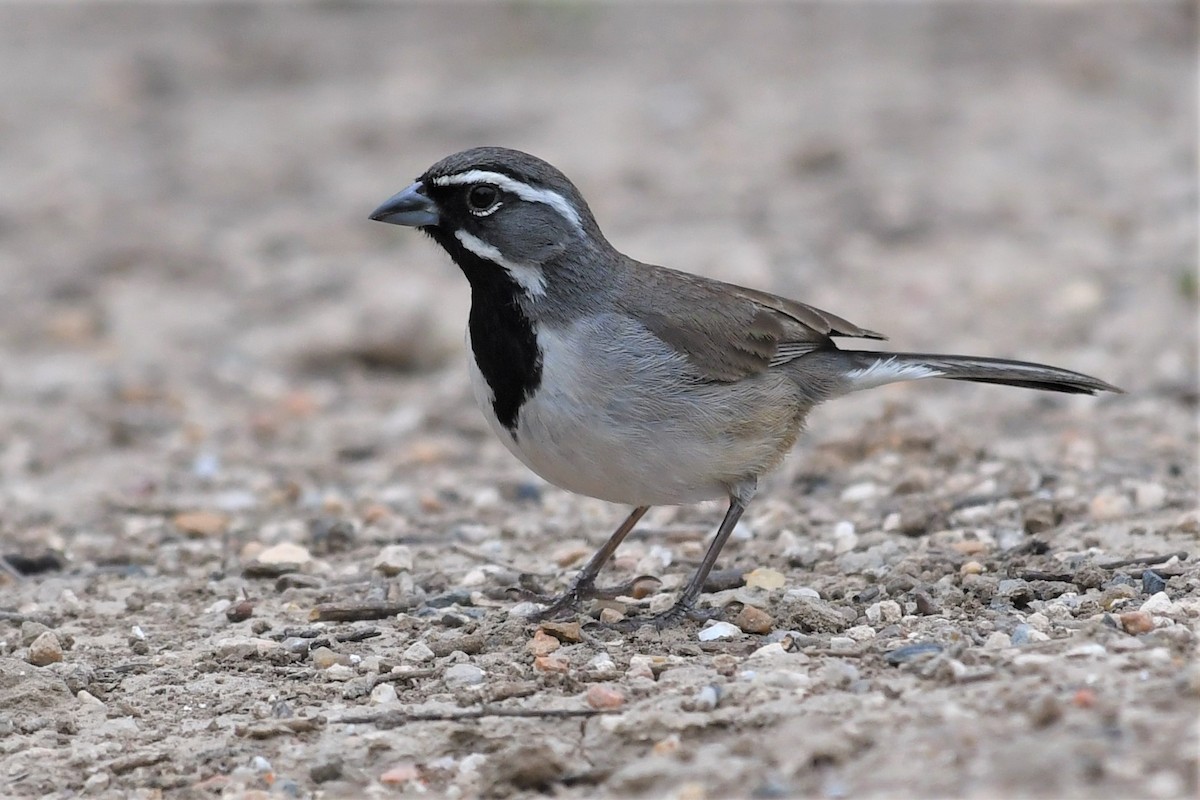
(886, 611)
(1149, 496)
(96, 782)
(639, 668)
(1087, 650)
(1158, 603)
(858, 492)
(918, 651)
(399, 775)
(1135, 622)
(418, 652)
(1152, 582)
(393, 559)
(971, 568)
(844, 537)
(861, 633)
(841, 643)
(384, 694)
(718, 630)
(765, 578)
(564, 631)
(201, 523)
(754, 620)
(45, 649)
(285, 553)
(601, 662)
(555, 662)
(838, 674)
(340, 672)
(464, 674)
(523, 609)
(1109, 505)
(998, 640)
(660, 603)
(86, 698)
(324, 658)
(326, 771)
(542, 644)
(610, 616)
(601, 696)
(707, 698)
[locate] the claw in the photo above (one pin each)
(672, 616)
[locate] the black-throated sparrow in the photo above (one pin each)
(634, 383)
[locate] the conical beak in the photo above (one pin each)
(410, 207)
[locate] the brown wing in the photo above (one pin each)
(729, 332)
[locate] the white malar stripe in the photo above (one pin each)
(528, 276)
(889, 370)
(521, 190)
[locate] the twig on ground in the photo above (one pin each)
(352, 612)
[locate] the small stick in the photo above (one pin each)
(1129, 562)
(353, 612)
(1037, 575)
(392, 677)
(394, 719)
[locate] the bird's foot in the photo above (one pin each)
(579, 591)
(667, 619)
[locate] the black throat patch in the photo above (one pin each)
(503, 342)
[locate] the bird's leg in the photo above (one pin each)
(685, 605)
(584, 584)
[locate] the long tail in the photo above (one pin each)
(862, 369)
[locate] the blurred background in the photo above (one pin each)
(189, 277)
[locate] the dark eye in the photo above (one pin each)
(482, 197)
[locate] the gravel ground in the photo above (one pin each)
(232, 409)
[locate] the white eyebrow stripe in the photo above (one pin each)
(521, 190)
(528, 276)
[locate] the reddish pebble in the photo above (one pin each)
(400, 774)
(542, 644)
(1084, 698)
(1136, 622)
(551, 664)
(604, 697)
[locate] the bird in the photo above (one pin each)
(639, 384)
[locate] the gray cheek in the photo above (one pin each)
(530, 234)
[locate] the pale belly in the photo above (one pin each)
(631, 429)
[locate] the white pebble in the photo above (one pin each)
(719, 630)
(707, 698)
(384, 694)
(1158, 603)
(844, 537)
(601, 662)
(842, 643)
(1149, 496)
(394, 559)
(858, 492)
(1087, 650)
(802, 591)
(339, 672)
(463, 675)
(861, 633)
(884, 611)
(999, 640)
(285, 553)
(418, 652)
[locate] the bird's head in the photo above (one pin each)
(494, 208)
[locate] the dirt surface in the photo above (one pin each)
(227, 399)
